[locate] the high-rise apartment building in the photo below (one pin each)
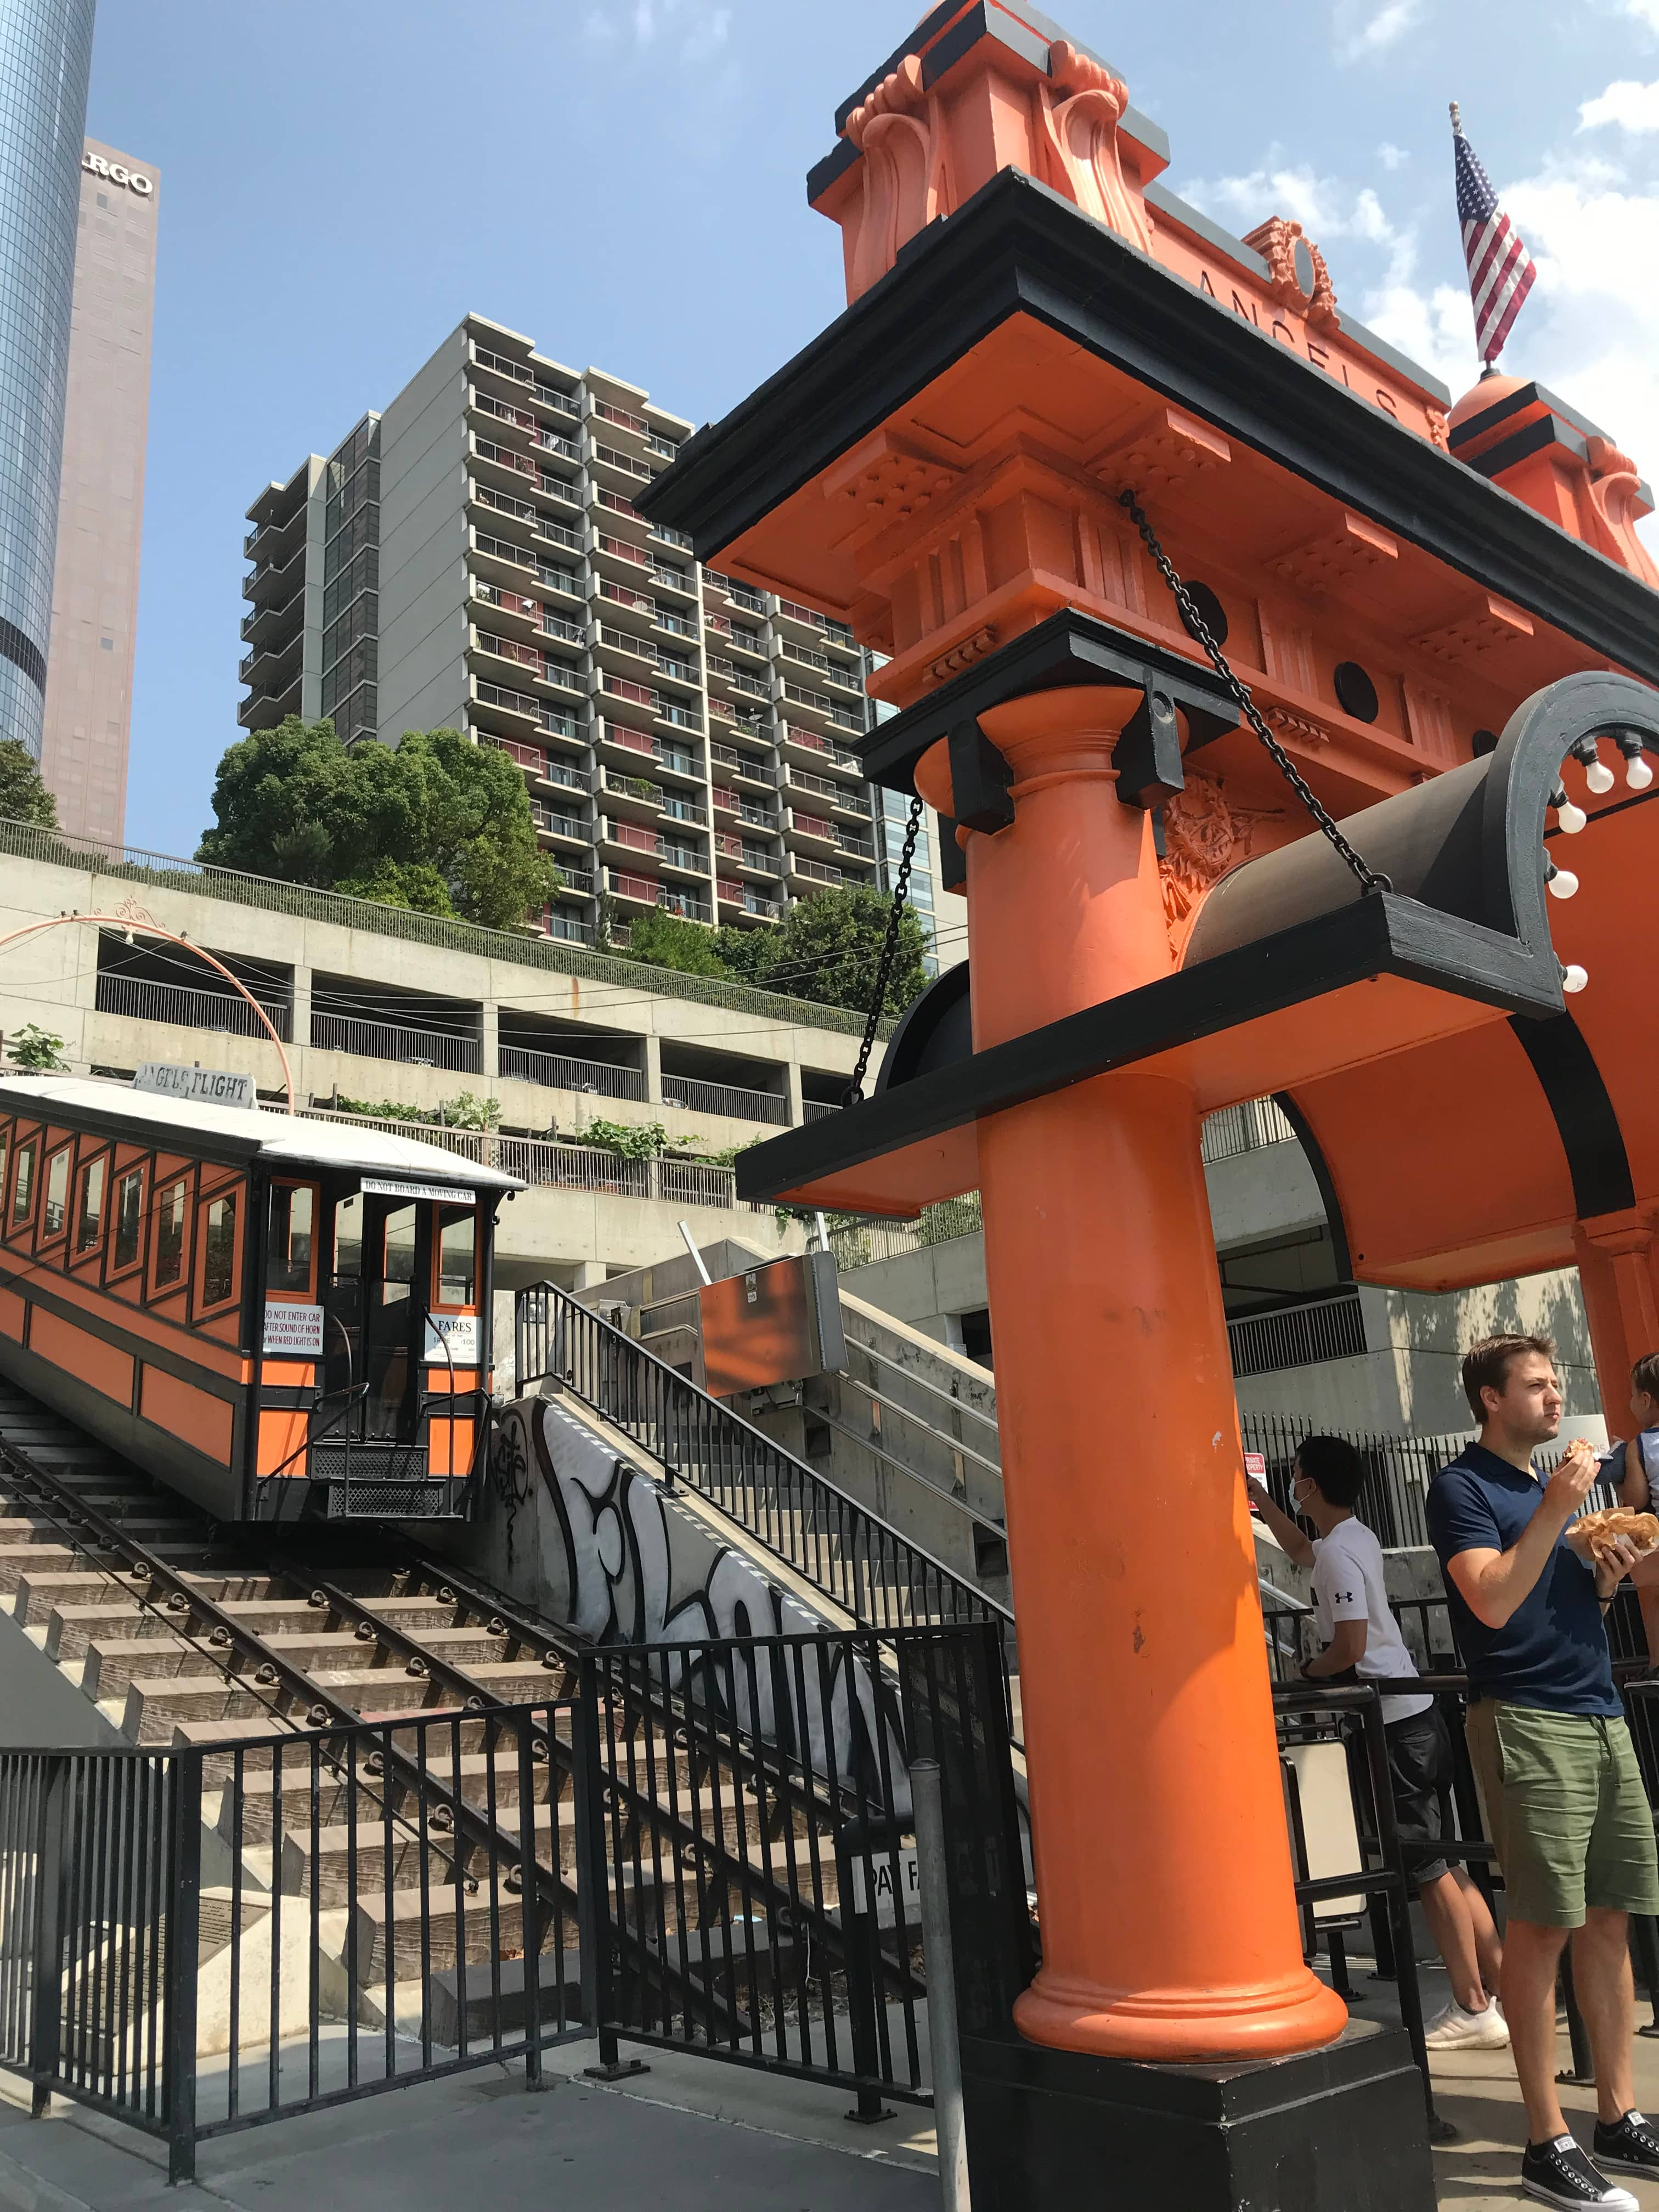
(472, 558)
(45, 54)
(94, 595)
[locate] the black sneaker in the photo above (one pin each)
(1630, 2144)
(1558, 2173)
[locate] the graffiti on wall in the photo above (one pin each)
(641, 1569)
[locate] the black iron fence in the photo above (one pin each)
(1398, 1472)
(707, 1846)
(859, 1561)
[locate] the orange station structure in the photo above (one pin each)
(1451, 629)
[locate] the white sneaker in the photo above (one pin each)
(1454, 2029)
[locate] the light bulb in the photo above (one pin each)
(1572, 819)
(1563, 883)
(1599, 776)
(1638, 774)
(1574, 978)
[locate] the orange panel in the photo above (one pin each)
(88, 1357)
(757, 1329)
(204, 1422)
(12, 1310)
(282, 1434)
(449, 1449)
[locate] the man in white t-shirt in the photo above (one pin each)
(1361, 1641)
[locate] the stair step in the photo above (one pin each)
(18, 1556)
(331, 1861)
(40, 1595)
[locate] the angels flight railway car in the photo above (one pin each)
(284, 1319)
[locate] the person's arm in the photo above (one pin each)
(1293, 1541)
(1345, 1649)
(1633, 1489)
(1495, 1585)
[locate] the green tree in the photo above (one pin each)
(829, 948)
(23, 797)
(437, 823)
(664, 940)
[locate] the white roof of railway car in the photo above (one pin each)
(277, 1139)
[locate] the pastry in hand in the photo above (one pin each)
(1641, 1530)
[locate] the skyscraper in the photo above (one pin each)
(100, 503)
(472, 558)
(46, 55)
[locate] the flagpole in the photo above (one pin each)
(1457, 120)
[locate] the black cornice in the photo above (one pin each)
(1017, 248)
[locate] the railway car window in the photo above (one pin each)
(129, 1215)
(457, 1241)
(288, 1265)
(89, 1215)
(56, 1211)
(219, 1250)
(348, 1234)
(5, 1148)
(170, 1206)
(22, 1190)
(399, 1276)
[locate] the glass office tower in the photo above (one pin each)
(45, 53)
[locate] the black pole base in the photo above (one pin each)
(1345, 2127)
(620, 2069)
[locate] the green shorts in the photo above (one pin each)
(1566, 1811)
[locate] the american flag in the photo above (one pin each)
(1501, 270)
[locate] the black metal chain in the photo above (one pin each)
(888, 953)
(1200, 630)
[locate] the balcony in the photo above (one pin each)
(748, 857)
(675, 537)
(186, 1007)
(501, 456)
(820, 749)
(672, 580)
(620, 418)
(838, 794)
(517, 605)
(567, 449)
(806, 658)
(639, 603)
(677, 808)
(266, 623)
(740, 897)
(271, 586)
(614, 503)
(566, 632)
(498, 411)
(563, 829)
(502, 504)
(632, 794)
(739, 594)
(749, 641)
(856, 848)
(575, 883)
(725, 1099)
(618, 549)
(553, 1071)
(814, 872)
(609, 457)
(629, 838)
(663, 449)
(413, 1048)
(809, 827)
(567, 928)
(560, 534)
(678, 624)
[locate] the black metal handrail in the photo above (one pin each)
(857, 1560)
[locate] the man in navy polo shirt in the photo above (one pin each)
(1564, 1798)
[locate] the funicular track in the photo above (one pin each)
(719, 1848)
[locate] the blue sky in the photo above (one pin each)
(622, 179)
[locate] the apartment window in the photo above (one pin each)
(55, 1214)
(23, 1191)
(288, 1262)
(89, 1214)
(219, 1250)
(172, 1204)
(129, 1215)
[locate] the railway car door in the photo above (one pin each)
(396, 1248)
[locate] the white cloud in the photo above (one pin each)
(1359, 40)
(704, 28)
(1392, 157)
(1644, 11)
(1632, 107)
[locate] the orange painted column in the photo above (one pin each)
(1168, 1924)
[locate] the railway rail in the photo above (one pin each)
(363, 1780)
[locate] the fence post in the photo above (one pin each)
(46, 2005)
(933, 1880)
(529, 1889)
(594, 1878)
(183, 1940)
(862, 1949)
